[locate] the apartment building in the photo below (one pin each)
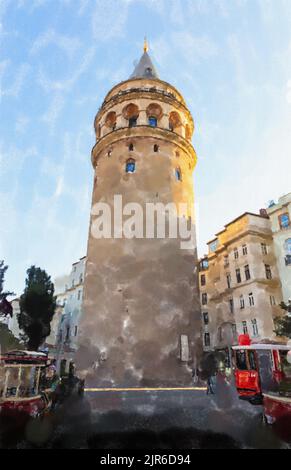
(240, 290)
(280, 217)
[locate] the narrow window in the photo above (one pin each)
(235, 252)
(244, 250)
(156, 148)
(76, 331)
(231, 305)
(132, 122)
(205, 318)
(268, 271)
(130, 166)
(68, 333)
(219, 334)
(228, 280)
(153, 122)
(242, 302)
(255, 328)
(204, 299)
(284, 221)
(272, 300)
(226, 261)
(287, 248)
(178, 174)
(247, 272)
(251, 300)
(206, 340)
(79, 294)
(184, 348)
(203, 280)
(130, 147)
(264, 248)
(245, 327)
(238, 275)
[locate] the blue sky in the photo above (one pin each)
(231, 59)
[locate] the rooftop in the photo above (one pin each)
(145, 67)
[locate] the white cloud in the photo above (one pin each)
(194, 48)
(109, 19)
(59, 186)
(21, 124)
(66, 84)
(83, 6)
(18, 82)
(53, 112)
(288, 94)
(68, 44)
(12, 158)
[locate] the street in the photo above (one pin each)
(153, 419)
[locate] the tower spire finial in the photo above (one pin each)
(145, 45)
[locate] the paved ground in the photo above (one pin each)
(171, 419)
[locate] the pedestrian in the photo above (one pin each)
(195, 375)
(210, 386)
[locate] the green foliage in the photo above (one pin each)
(283, 324)
(3, 269)
(37, 307)
(8, 342)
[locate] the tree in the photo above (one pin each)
(283, 324)
(5, 306)
(37, 307)
(8, 341)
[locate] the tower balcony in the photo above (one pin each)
(142, 131)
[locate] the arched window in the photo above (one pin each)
(174, 120)
(153, 122)
(178, 174)
(130, 166)
(188, 132)
(149, 71)
(131, 113)
(154, 113)
(132, 122)
(287, 246)
(156, 148)
(110, 120)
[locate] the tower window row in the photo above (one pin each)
(130, 167)
(154, 118)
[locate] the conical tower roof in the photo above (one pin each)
(145, 68)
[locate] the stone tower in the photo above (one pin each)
(141, 320)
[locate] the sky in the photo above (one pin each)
(231, 60)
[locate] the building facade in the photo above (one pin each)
(280, 216)
(12, 322)
(240, 290)
(62, 341)
(141, 320)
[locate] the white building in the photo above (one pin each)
(63, 338)
(280, 216)
(12, 323)
(239, 283)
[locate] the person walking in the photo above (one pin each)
(210, 386)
